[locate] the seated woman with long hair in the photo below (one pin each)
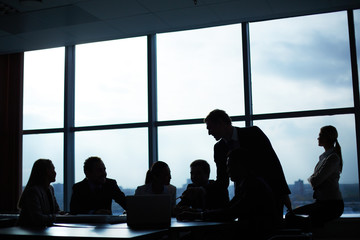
(37, 204)
(328, 203)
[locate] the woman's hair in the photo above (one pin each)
(331, 134)
(155, 170)
(38, 175)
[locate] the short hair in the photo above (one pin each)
(218, 116)
(202, 164)
(90, 162)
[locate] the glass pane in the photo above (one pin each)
(198, 71)
(301, 63)
(295, 142)
(124, 153)
(357, 37)
(111, 82)
(48, 146)
(44, 89)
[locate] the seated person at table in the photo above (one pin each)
(157, 181)
(202, 193)
(328, 204)
(95, 193)
(37, 204)
(253, 203)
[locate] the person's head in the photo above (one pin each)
(95, 170)
(239, 165)
(328, 138)
(218, 124)
(200, 172)
(42, 173)
(159, 173)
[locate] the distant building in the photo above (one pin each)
(299, 187)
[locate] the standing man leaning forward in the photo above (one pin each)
(258, 150)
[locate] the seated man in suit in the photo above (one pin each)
(95, 193)
(202, 193)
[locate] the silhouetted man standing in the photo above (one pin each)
(256, 148)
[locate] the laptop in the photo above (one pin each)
(148, 211)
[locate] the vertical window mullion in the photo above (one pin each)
(247, 74)
(355, 81)
(152, 99)
(69, 119)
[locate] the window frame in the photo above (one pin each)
(152, 124)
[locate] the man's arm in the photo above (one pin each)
(118, 195)
(220, 158)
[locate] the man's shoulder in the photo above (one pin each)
(81, 187)
(220, 144)
(110, 181)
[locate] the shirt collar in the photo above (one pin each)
(234, 136)
(328, 152)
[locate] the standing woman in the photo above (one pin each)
(37, 204)
(328, 203)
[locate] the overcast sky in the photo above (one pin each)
(297, 64)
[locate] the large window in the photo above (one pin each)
(43, 107)
(44, 89)
(301, 81)
(198, 71)
(301, 63)
(111, 82)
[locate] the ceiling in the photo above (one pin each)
(29, 25)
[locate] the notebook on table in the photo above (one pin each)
(148, 211)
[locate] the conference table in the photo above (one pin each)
(107, 231)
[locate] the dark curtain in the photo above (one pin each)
(11, 99)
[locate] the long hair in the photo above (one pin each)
(37, 176)
(155, 171)
(331, 134)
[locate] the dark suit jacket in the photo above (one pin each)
(258, 150)
(38, 207)
(84, 200)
